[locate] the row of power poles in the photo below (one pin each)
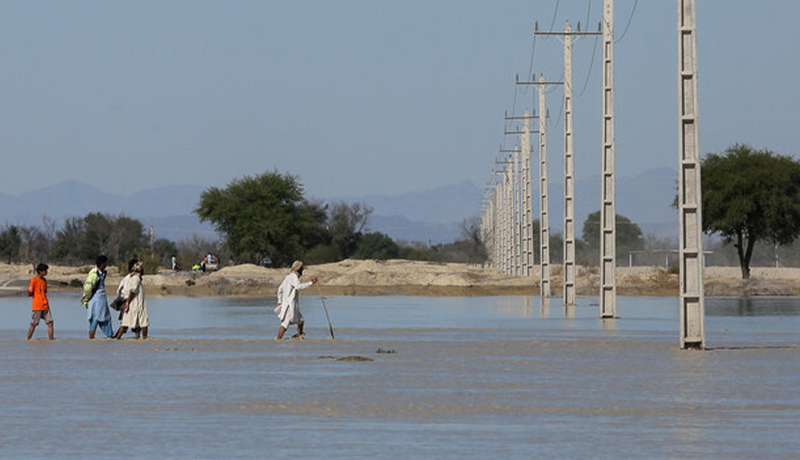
(507, 211)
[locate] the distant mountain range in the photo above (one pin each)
(167, 209)
(432, 216)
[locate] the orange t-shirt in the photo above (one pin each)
(38, 289)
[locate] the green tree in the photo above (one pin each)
(751, 195)
(376, 245)
(80, 240)
(126, 236)
(69, 242)
(263, 215)
(628, 235)
(10, 243)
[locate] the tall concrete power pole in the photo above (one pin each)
(544, 207)
(690, 244)
(569, 170)
(527, 206)
(608, 226)
(544, 212)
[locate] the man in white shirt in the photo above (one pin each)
(288, 309)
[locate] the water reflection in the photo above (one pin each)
(515, 307)
(545, 306)
(753, 306)
(608, 324)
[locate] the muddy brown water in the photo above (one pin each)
(486, 377)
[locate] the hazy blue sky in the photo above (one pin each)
(361, 97)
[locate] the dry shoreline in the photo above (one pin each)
(400, 277)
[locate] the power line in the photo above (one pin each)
(588, 11)
(533, 51)
(591, 67)
(630, 18)
(555, 13)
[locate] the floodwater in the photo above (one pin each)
(486, 377)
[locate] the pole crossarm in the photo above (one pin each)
(570, 34)
(528, 117)
(520, 132)
(546, 83)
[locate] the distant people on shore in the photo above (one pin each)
(175, 266)
(41, 306)
(94, 299)
(134, 310)
(288, 309)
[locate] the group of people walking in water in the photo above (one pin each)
(130, 301)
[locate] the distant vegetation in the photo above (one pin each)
(79, 240)
(751, 199)
(262, 219)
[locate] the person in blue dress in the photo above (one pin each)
(95, 301)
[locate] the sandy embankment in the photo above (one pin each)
(400, 277)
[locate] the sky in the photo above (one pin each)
(360, 97)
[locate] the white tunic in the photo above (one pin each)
(288, 310)
(137, 309)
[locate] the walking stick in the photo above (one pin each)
(330, 326)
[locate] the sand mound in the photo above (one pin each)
(403, 277)
(244, 271)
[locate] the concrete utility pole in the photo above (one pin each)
(152, 232)
(516, 215)
(506, 211)
(512, 203)
(504, 221)
(487, 226)
(608, 221)
(495, 225)
(569, 186)
(510, 216)
(544, 219)
(527, 206)
(544, 207)
(494, 205)
(690, 246)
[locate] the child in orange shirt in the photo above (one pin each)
(41, 307)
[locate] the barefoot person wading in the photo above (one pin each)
(288, 309)
(41, 306)
(134, 311)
